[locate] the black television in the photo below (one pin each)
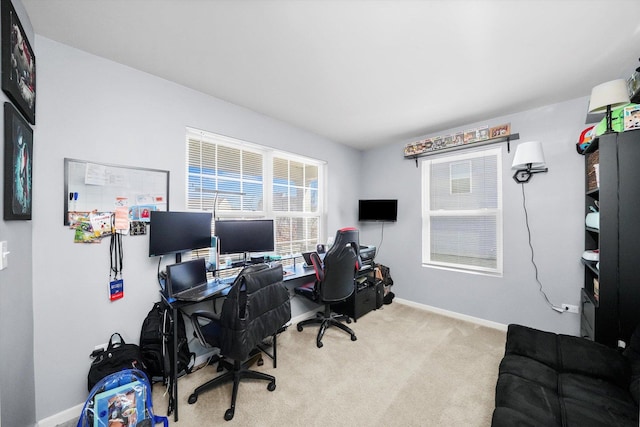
(243, 236)
(378, 210)
(176, 232)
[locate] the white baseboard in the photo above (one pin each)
(61, 417)
(453, 314)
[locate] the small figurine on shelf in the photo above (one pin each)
(632, 117)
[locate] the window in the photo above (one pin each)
(236, 179)
(296, 204)
(224, 178)
(462, 212)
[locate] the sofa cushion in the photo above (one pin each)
(595, 401)
(530, 399)
(532, 343)
(568, 353)
(508, 417)
(530, 369)
(593, 359)
(551, 379)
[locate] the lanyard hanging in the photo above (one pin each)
(116, 284)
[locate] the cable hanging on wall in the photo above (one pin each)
(535, 266)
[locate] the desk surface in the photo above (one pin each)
(297, 271)
(290, 273)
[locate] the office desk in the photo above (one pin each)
(293, 274)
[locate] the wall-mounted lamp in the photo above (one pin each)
(607, 96)
(529, 159)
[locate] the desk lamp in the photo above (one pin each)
(529, 159)
(607, 96)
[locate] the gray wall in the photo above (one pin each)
(93, 109)
(17, 389)
(555, 202)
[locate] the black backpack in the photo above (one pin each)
(156, 342)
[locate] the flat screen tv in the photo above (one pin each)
(378, 210)
(175, 232)
(242, 236)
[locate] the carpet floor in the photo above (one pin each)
(408, 367)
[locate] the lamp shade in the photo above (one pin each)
(528, 153)
(613, 94)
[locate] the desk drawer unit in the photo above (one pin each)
(358, 304)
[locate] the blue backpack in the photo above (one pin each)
(123, 397)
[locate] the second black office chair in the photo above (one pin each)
(257, 307)
(334, 283)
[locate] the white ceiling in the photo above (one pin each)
(362, 73)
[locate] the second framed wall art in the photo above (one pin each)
(18, 165)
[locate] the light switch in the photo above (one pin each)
(3, 255)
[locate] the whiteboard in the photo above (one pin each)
(95, 186)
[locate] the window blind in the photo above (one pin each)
(275, 184)
(462, 212)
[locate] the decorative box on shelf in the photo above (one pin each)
(593, 164)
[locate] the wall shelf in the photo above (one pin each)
(506, 138)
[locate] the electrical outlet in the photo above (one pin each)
(570, 308)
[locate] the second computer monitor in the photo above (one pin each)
(243, 236)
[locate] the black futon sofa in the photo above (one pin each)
(548, 379)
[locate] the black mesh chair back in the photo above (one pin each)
(256, 308)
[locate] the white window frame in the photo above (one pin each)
(268, 155)
(428, 213)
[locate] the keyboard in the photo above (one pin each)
(200, 292)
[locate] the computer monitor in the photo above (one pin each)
(244, 236)
(378, 210)
(175, 232)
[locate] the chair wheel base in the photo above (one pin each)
(228, 414)
(193, 399)
(271, 386)
(353, 338)
(299, 328)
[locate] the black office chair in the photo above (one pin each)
(256, 308)
(334, 282)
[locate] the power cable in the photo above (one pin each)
(381, 239)
(526, 219)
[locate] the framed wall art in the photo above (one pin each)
(18, 64)
(18, 165)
